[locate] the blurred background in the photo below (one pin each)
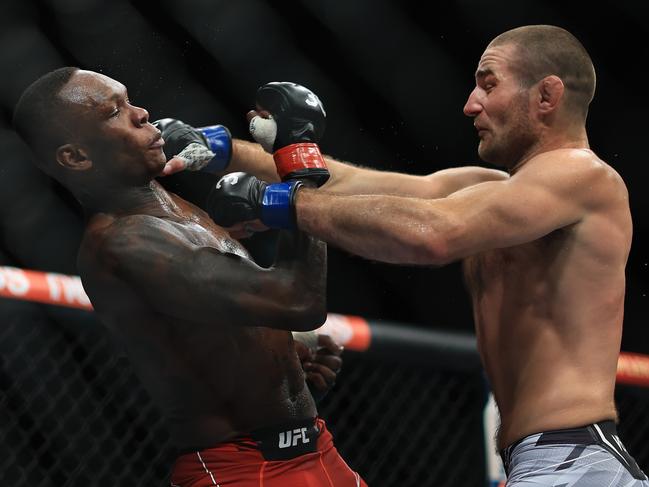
(393, 76)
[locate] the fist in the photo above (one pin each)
(321, 364)
(298, 112)
(240, 197)
(237, 197)
(293, 127)
(194, 149)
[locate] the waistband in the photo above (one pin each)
(603, 433)
(282, 441)
(288, 440)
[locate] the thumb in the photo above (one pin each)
(264, 131)
(174, 165)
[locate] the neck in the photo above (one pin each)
(564, 139)
(150, 198)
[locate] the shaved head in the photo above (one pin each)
(39, 115)
(544, 50)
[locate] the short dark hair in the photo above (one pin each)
(544, 50)
(39, 110)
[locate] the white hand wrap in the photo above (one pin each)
(308, 338)
(196, 156)
(264, 131)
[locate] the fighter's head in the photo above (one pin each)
(529, 80)
(85, 132)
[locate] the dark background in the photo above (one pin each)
(393, 75)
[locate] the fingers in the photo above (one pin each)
(333, 362)
(174, 165)
(303, 352)
(263, 130)
(320, 376)
(327, 343)
(259, 112)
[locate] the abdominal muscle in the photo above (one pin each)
(540, 383)
(549, 338)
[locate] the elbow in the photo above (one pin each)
(308, 316)
(436, 253)
(436, 248)
(301, 309)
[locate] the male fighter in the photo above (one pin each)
(206, 329)
(544, 250)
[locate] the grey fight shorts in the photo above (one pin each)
(590, 456)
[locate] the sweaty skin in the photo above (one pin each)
(544, 248)
(548, 313)
(544, 251)
(205, 328)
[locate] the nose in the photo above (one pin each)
(473, 107)
(141, 116)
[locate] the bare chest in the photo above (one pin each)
(518, 267)
(199, 229)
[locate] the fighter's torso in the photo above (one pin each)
(214, 381)
(548, 318)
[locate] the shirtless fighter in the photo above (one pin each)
(544, 250)
(206, 329)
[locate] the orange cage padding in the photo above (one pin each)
(354, 332)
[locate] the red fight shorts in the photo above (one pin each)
(299, 454)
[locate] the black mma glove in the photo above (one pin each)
(240, 197)
(293, 132)
(204, 148)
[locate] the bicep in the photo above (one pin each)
(501, 214)
(349, 180)
(179, 279)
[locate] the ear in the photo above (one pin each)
(73, 157)
(551, 93)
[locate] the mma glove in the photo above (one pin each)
(205, 148)
(293, 131)
(240, 197)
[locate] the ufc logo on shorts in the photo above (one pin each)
(292, 437)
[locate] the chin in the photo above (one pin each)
(159, 163)
(485, 154)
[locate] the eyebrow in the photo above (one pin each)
(122, 93)
(483, 73)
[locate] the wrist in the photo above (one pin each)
(301, 160)
(278, 205)
(219, 141)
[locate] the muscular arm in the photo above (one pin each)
(180, 279)
(349, 179)
(549, 195)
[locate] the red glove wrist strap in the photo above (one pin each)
(294, 157)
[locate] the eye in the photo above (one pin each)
(115, 113)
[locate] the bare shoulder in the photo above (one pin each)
(576, 173)
(109, 241)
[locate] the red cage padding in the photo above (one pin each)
(354, 332)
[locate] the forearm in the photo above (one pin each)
(384, 228)
(301, 264)
(349, 180)
(251, 158)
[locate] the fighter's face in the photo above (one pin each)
(500, 107)
(120, 141)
